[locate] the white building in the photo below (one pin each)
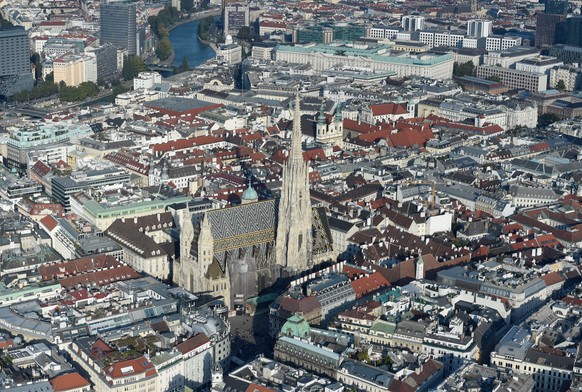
(373, 57)
(197, 360)
(551, 372)
(500, 42)
(538, 64)
(474, 42)
(229, 53)
(437, 38)
(452, 347)
(387, 32)
(412, 22)
(529, 197)
(506, 58)
(146, 80)
(571, 76)
(478, 28)
(90, 69)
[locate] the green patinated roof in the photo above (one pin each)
(384, 327)
(296, 326)
(250, 194)
(391, 295)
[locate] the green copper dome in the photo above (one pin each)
(296, 326)
(250, 194)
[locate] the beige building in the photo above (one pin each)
(69, 69)
(142, 240)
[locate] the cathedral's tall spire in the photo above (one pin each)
(294, 228)
(296, 137)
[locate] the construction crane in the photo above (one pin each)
(421, 182)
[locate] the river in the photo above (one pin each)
(184, 39)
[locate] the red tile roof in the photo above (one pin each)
(388, 108)
(80, 295)
(303, 305)
(553, 278)
(68, 382)
(130, 367)
(369, 284)
(259, 388)
(185, 143)
(193, 343)
(100, 278)
(49, 222)
(410, 137)
(78, 266)
(539, 147)
(572, 300)
(360, 127)
(40, 169)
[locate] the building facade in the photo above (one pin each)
(515, 79)
(412, 22)
(479, 28)
(235, 17)
(372, 57)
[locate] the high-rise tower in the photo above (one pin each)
(118, 20)
(294, 228)
(15, 71)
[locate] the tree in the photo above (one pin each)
(164, 49)
(561, 86)
(68, 94)
(139, 65)
(41, 90)
(184, 66)
(35, 59)
(86, 90)
(245, 33)
(187, 5)
(4, 23)
(204, 27)
(50, 77)
(128, 70)
(165, 18)
(546, 119)
(465, 69)
(132, 66)
(362, 356)
(386, 360)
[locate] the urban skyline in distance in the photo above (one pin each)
(323, 196)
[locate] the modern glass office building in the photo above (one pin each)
(118, 25)
(15, 67)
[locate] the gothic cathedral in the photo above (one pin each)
(238, 251)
